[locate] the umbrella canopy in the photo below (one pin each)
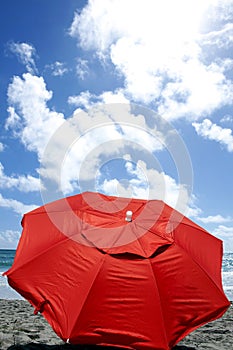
(100, 275)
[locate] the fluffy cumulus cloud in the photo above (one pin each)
(81, 100)
(227, 119)
(22, 183)
(26, 54)
(29, 118)
(222, 38)
(1, 147)
(225, 233)
(90, 138)
(147, 183)
(212, 131)
(82, 69)
(58, 68)
(9, 239)
(214, 219)
(87, 100)
(77, 154)
(94, 133)
(177, 75)
(17, 206)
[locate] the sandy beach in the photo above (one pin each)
(21, 329)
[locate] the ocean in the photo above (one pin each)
(7, 258)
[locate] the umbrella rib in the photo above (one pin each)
(173, 240)
(200, 267)
(196, 226)
(64, 239)
(88, 292)
(153, 275)
(40, 253)
(170, 240)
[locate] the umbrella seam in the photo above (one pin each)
(88, 293)
(40, 254)
(201, 268)
(67, 238)
(157, 234)
(153, 275)
(64, 239)
(219, 292)
(221, 311)
(199, 228)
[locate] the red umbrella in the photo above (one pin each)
(141, 280)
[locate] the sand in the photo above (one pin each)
(21, 329)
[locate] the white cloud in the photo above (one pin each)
(81, 100)
(216, 219)
(22, 183)
(58, 68)
(214, 132)
(159, 51)
(146, 183)
(225, 233)
(101, 25)
(193, 211)
(9, 239)
(15, 205)
(107, 131)
(227, 119)
(99, 145)
(222, 38)
(13, 121)
(82, 69)
(25, 53)
(87, 100)
(1, 147)
(199, 90)
(114, 97)
(29, 117)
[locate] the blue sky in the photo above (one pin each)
(127, 98)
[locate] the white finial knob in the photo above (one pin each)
(129, 214)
